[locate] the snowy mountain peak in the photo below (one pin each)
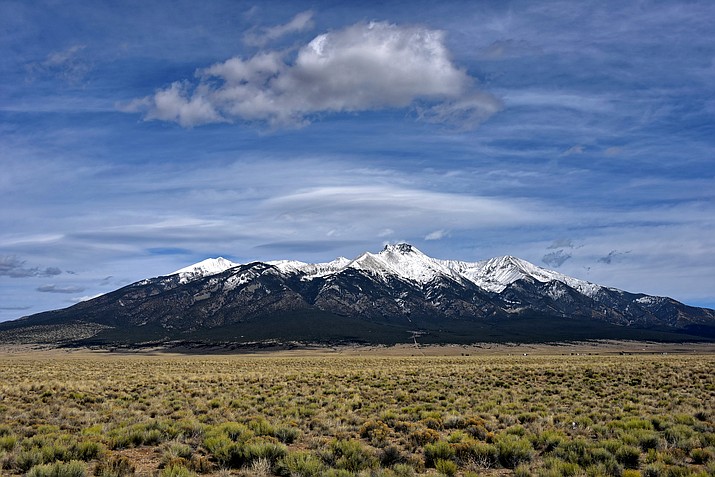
(311, 270)
(405, 261)
(497, 273)
(401, 248)
(204, 268)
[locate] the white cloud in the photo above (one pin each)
(59, 289)
(301, 22)
(67, 65)
(577, 149)
(177, 104)
(367, 66)
(370, 207)
(437, 235)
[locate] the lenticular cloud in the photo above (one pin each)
(367, 66)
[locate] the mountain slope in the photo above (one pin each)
(386, 297)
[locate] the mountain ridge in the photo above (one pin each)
(389, 296)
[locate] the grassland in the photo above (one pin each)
(336, 415)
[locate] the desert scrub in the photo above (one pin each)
(350, 455)
(446, 467)
(440, 450)
(301, 463)
(59, 469)
(514, 450)
(176, 471)
(343, 415)
(555, 467)
(115, 466)
(376, 432)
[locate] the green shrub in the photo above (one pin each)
(555, 467)
(73, 468)
(403, 470)
(338, 473)
(678, 471)
(178, 449)
(261, 427)
(638, 424)
(647, 439)
(141, 434)
(222, 448)
(475, 452)
(548, 440)
(87, 450)
(678, 435)
(453, 422)
(287, 435)
(440, 450)
(522, 470)
(656, 469)
(432, 422)
(576, 451)
(446, 467)
(263, 449)
(514, 450)
(604, 470)
(8, 442)
(527, 417)
(599, 455)
(233, 430)
(350, 455)
(629, 456)
(301, 463)
(700, 456)
(176, 471)
(27, 459)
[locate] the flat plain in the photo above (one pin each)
(544, 411)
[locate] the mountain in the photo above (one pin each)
(397, 295)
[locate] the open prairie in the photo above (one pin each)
(556, 411)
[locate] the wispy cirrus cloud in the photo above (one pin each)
(261, 36)
(437, 235)
(59, 289)
(67, 65)
(364, 67)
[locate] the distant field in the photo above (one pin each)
(554, 412)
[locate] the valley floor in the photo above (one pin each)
(609, 408)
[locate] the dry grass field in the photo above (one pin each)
(358, 414)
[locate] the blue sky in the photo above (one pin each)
(139, 137)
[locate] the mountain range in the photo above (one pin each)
(394, 296)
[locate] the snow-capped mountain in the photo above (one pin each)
(210, 266)
(406, 262)
(388, 296)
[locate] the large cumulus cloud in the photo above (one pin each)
(366, 66)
